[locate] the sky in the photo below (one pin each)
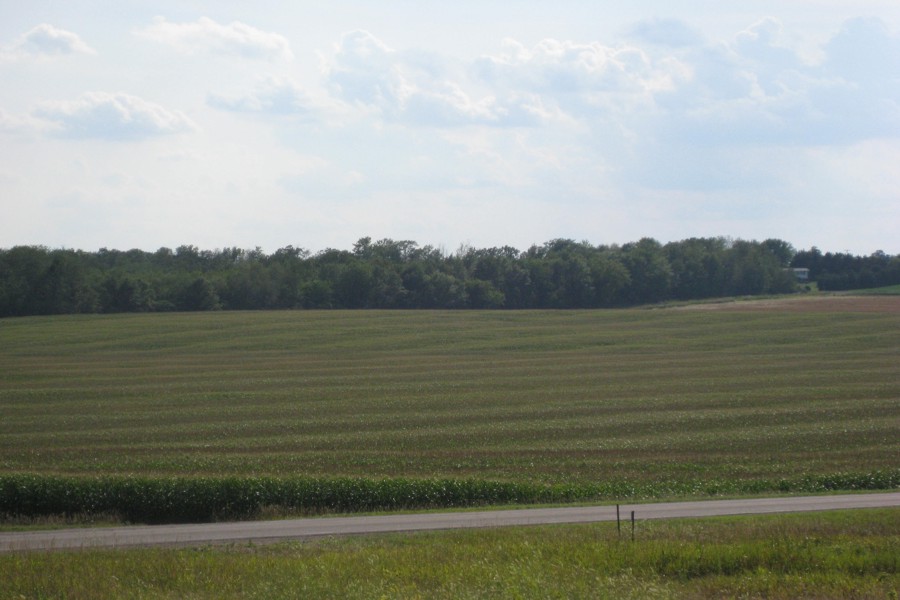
(219, 123)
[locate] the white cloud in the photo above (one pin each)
(676, 115)
(591, 83)
(445, 103)
(692, 115)
(666, 32)
(856, 92)
(756, 90)
(764, 33)
(449, 105)
(712, 123)
(560, 67)
(119, 116)
(865, 51)
(12, 124)
(47, 40)
(7, 122)
(22, 125)
(416, 89)
(359, 50)
(208, 36)
(273, 95)
(365, 71)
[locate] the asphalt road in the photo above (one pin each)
(270, 531)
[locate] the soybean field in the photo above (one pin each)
(614, 403)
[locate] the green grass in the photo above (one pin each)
(890, 290)
(842, 554)
(652, 403)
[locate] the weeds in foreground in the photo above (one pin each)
(842, 554)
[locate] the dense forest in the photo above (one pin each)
(561, 273)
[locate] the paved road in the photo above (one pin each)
(269, 531)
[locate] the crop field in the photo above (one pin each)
(624, 403)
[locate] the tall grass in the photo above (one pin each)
(825, 555)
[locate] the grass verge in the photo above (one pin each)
(890, 290)
(841, 554)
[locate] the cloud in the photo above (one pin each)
(560, 67)
(274, 96)
(665, 106)
(866, 52)
(417, 89)
(857, 89)
(737, 114)
(47, 40)
(676, 89)
(207, 36)
(762, 43)
(587, 83)
(366, 71)
(12, 124)
(450, 105)
(665, 32)
(445, 103)
(755, 90)
(526, 87)
(119, 116)
(24, 125)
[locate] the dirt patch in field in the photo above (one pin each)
(836, 303)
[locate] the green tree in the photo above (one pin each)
(316, 293)
(609, 279)
(21, 269)
(123, 293)
(698, 267)
(483, 294)
(781, 250)
(650, 272)
(354, 285)
(198, 295)
(443, 290)
(753, 269)
(248, 285)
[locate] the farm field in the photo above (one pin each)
(650, 403)
(840, 554)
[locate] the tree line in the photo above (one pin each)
(561, 273)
